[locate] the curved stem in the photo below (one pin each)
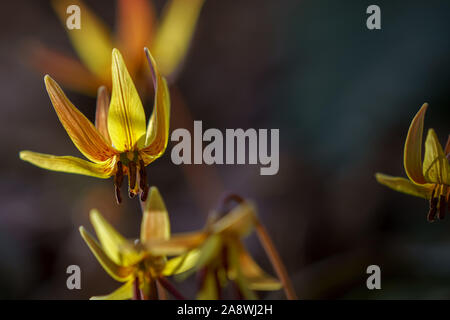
(275, 259)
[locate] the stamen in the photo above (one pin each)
(118, 196)
(118, 180)
(433, 209)
(441, 207)
(131, 178)
(143, 181)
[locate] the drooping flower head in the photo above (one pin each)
(120, 143)
(128, 261)
(428, 178)
(137, 27)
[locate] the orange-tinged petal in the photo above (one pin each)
(209, 289)
(155, 221)
(119, 273)
(412, 156)
(436, 168)
(175, 32)
(158, 126)
(65, 69)
(68, 164)
(406, 186)
(92, 41)
(136, 20)
(126, 117)
(101, 113)
(82, 132)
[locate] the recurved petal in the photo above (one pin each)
(115, 246)
(158, 126)
(175, 32)
(177, 244)
(82, 132)
(124, 292)
(155, 220)
(240, 221)
(119, 273)
(436, 168)
(181, 263)
(256, 278)
(67, 164)
(405, 186)
(101, 113)
(135, 20)
(126, 117)
(92, 41)
(412, 155)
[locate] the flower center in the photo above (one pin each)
(439, 202)
(132, 165)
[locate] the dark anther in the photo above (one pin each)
(118, 180)
(118, 196)
(132, 174)
(441, 207)
(433, 209)
(144, 193)
(131, 194)
(143, 181)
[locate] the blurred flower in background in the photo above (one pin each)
(137, 27)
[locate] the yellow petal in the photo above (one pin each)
(158, 126)
(256, 278)
(135, 28)
(412, 156)
(240, 220)
(70, 72)
(209, 290)
(436, 168)
(115, 246)
(405, 186)
(175, 32)
(177, 244)
(92, 41)
(209, 250)
(119, 273)
(101, 113)
(181, 263)
(67, 164)
(82, 132)
(155, 221)
(124, 292)
(126, 118)
(235, 271)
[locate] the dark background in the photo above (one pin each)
(342, 96)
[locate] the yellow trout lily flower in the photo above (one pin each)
(168, 39)
(120, 143)
(127, 261)
(430, 179)
(221, 255)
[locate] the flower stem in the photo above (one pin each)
(275, 259)
(170, 288)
